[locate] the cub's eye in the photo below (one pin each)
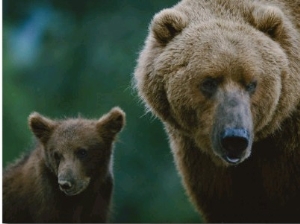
(209, 86)
(82, 153)
(251, 87)
(56, 156)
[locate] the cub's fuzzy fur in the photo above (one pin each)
(68, 176)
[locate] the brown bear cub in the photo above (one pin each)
(224, 77)
(68, 176)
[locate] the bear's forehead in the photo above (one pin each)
(208, 51)
(209, 39)
(76, 126)
(76, 131)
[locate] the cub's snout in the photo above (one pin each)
(72, 181)
(65, 185)
(72, 185)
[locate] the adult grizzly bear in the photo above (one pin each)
(224, 77)
(68, 177)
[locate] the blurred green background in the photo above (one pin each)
(68, 57)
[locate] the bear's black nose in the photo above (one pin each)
(234, 141)
(64, 185)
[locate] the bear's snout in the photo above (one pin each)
(234, 142)
(71, 186)
(71, 181)
(232, 132)
(65, 184)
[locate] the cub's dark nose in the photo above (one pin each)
(234, 141)
(64, 185)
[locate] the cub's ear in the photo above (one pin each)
(167, 24)
(268, 19)
(41, 126)
(111, 123)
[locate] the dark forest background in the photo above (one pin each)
(68, 57)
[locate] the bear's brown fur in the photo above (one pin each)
(68, 177)
(224, 77)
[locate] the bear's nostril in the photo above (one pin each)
(64, 185)
(235, 141)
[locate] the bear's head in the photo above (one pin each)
(78, 150)
(223, 77)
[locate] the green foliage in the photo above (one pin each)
(63, 58)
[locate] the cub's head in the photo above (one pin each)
(77, 150)
(221, 75)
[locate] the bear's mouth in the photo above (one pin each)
(71, 188)
(72, 191)
(233, 145)
(232, 160)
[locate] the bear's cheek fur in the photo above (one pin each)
(193, 112)
(189, 108)
(50, 160)
(264, 102)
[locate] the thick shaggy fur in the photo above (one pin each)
(212, 65)
(72, 151)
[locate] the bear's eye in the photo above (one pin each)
(251, 87)
(82, 153)
(209, 86)
(57, 157)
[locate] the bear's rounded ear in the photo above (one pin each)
(111, 123)
(268, 19)
(167, 24)
(41, 126)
